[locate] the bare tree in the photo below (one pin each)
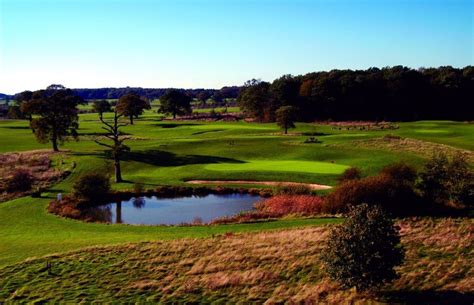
(117, 148)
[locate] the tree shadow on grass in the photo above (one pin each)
(16, 127)
(164, 158)
(428, 297)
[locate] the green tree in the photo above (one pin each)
(117, 148)
(285, 117)
(255, 100)
(175, 102)
(363, 251)
(101, 106)
(55, 111)
(131, 105)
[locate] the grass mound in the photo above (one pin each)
(273, 266)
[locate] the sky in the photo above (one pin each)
(214, 43)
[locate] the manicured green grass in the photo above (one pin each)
(281, 166)
(170, 153)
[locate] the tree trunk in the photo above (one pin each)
(286, 130)
(54, 140)
(118, 212)
(131, 119)
(174, 116)
(118, 172)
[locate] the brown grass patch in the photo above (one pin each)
(268, 267)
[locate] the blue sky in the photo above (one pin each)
(212, 43)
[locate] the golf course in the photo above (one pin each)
(165, 152)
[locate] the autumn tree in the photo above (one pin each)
(101, 106)
(285, 117)
(131, 105)
(55, 114)
(175, 102)
(117, 148)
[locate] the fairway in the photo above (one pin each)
(281, 166)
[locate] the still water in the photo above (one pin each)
(166, 211)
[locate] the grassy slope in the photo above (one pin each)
(271, 267)
(165, 152)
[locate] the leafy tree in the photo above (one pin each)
(203, 96)
(91, 186)
(255, 100)
(131, 105)
(117, 148)
(56, 114)
(101, 106)
(175, 102)
(363, 251)
(285, 117)
(14, 112)
(21, 98)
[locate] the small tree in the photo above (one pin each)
(91, 186)
(285, 117)
(364, 250)
(117, 148)
(56, 114)
(131, 105)
(175, 102)
(101, 106)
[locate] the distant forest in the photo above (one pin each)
(152, 93)
(392, 94)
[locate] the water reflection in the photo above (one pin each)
(153, 210)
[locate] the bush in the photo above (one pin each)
(443, 180)
(352, 173)
(91, 186)
(401, 173)
(395, 196)
(21, 181)
(363, 251)
(293, 189)
(281, 205)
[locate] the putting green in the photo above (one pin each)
(314, 167)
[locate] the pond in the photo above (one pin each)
(166, 211)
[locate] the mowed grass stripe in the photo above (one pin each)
(313, 167)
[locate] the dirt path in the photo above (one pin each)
(270, 183)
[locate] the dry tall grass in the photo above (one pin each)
(267, 267)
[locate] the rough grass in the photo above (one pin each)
(272, 267)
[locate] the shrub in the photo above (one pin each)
(91, 186)
(401, 173)
(443, 180)
(281, 205)
(21, 181)
(364, 250)
(293, 189)
(352, 173)
(396, 197)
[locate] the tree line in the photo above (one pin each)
(154, 93)
(389, 94)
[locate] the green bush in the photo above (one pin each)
(444, 180)
(363, 251)
(91, 186)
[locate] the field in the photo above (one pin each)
(165, 152)
(270, 267)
